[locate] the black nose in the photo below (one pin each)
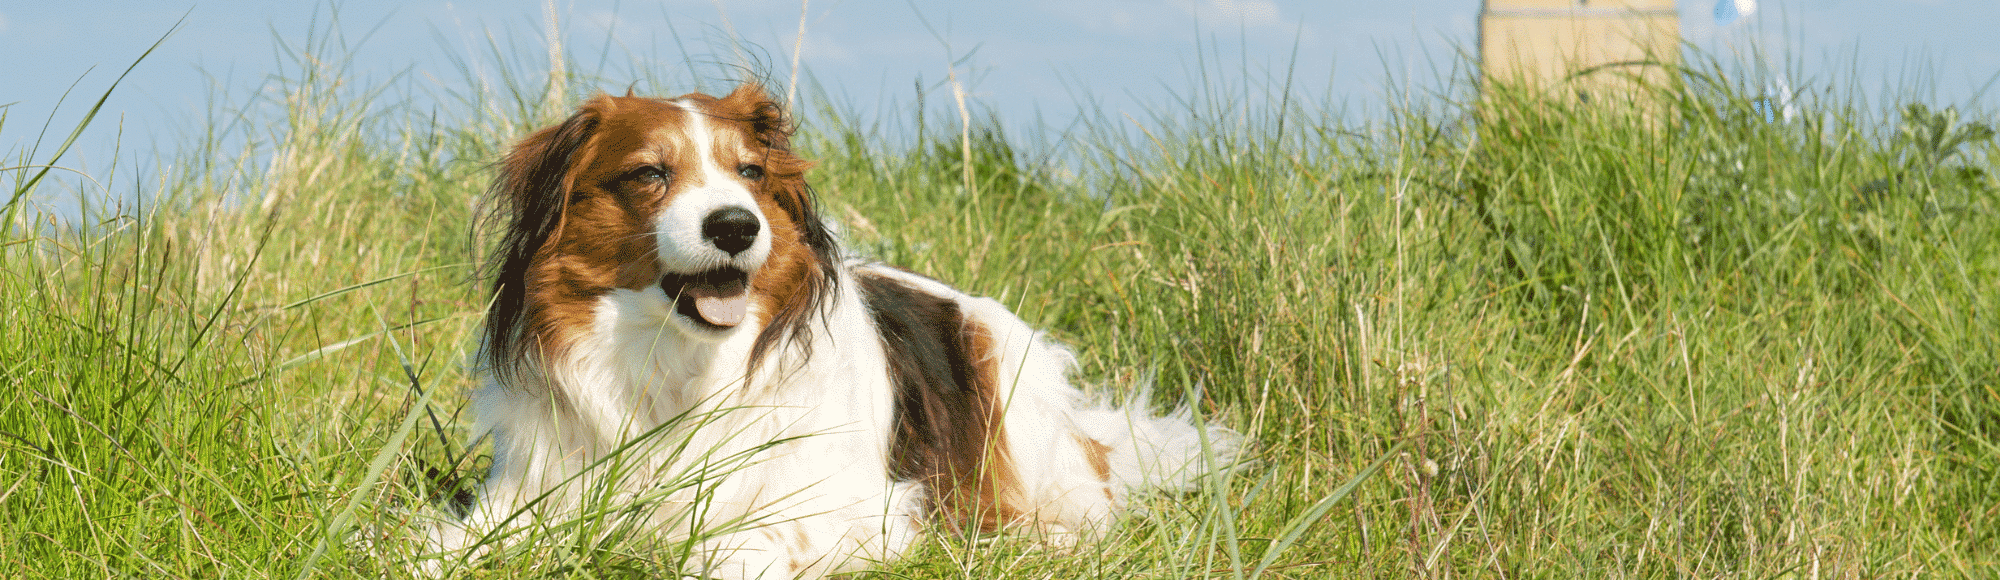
(731, 229)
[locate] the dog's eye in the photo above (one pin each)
(751, 171)
(649, 175)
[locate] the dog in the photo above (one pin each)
(675, 339)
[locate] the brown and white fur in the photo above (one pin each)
(667, 303)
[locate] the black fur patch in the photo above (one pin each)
(943, 408)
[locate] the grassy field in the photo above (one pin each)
(1676, 340)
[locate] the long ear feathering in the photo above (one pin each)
(531, 197)
(768, 120)
(772, 128)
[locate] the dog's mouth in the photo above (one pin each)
(717, 298)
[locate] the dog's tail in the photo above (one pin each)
(1147, 452)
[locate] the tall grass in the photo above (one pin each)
(1671, 340)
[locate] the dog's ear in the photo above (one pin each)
(536, 176)
(531, 197)
(768, 121)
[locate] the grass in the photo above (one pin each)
(1578, 341)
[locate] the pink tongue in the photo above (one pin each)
(722, 310)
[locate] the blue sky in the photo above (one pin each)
(1020, 58)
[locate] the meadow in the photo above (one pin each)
(1509, 337)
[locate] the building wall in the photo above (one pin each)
(1540, 41)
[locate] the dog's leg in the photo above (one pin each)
(1076, 462)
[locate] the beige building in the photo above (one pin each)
(1539, 41)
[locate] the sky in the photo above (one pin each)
(1023, 59)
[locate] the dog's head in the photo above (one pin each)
(696, 199)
